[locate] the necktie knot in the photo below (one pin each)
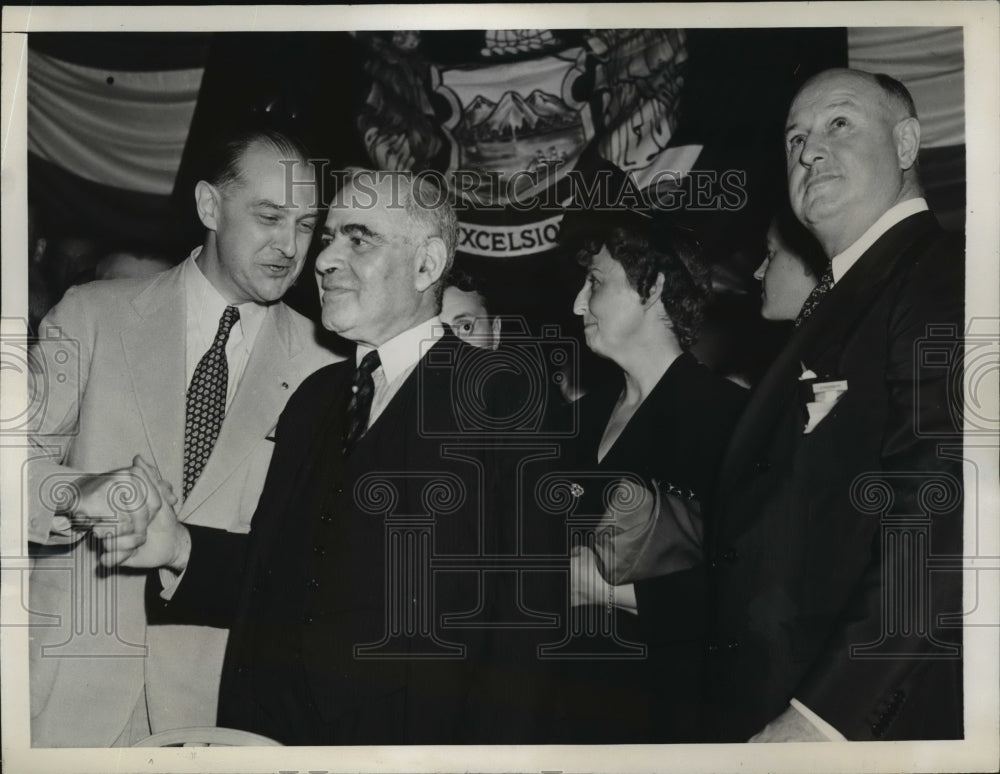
(229, 318)
(369, 363)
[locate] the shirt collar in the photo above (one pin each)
(207, 304)
(846, 259)
(402, 352)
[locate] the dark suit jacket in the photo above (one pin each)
(805, 547)
(320, 576)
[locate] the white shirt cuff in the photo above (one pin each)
(169, 580)
(821, 725)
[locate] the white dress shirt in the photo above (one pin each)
(846, 259)
(204, 307)
(399, 356)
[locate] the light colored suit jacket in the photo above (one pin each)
(122, 393)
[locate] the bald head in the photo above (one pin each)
(891, 95)
(851, 144)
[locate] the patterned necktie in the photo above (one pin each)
(815, 295)
(360, 405)
(206, 401)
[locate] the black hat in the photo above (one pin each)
(607, 207)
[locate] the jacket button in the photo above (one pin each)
(733, 644)
(319, 550)
(307, 619)
(313, 583)
(713, 647)
(762, 466)
(326, 518)
(730, 555)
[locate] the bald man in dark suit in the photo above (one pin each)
(837, 484)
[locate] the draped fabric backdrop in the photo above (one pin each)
(119, 124)
(109, 114)
(930, 61)
(108, 120)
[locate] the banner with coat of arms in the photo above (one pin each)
(515, 131)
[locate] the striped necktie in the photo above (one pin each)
(360, 406)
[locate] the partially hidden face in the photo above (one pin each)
(844, 168)
(465, 311)
(785, 283)
(612, 310)
(367, 270)
(263, 226)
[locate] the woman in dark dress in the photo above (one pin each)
(666, 421)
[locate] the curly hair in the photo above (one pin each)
(644, 255)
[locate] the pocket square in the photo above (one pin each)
(825, 395)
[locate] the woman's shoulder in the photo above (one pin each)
(700, 382)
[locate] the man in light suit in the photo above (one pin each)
(180, 383)
(842, 476)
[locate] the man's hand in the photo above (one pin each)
(790, 726)
(104, 500)
(148, 536)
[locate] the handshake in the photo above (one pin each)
(139, 529)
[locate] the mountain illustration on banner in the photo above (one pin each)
(514, 117)
(518, 120)
(509, 131)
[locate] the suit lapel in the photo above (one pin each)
(817, 341)
(155, 342)
(255, 407)
(319, 447)
(862, 285)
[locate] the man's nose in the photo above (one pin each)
(328, 258)
(284, 240)
(761, 271)
(813, 150)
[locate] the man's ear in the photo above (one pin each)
(431, 259)
(907, 136)
(208, 199)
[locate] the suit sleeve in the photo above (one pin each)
(856, 694)
(59, 366)
(208, 592)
